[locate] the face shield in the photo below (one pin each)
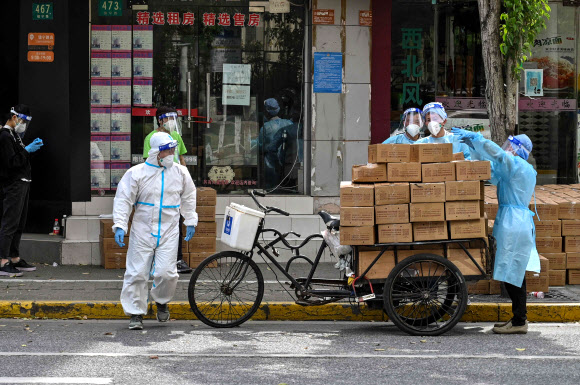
(23, 123)
(171, 122)
(516, 147)
(411, 122)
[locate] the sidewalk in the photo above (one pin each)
(93, 292)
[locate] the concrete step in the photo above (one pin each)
(41, 248)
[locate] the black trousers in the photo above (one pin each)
(14, 211)
(180, 245)
(518, 296)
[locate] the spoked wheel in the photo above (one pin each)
(425, 295)
(226, 289)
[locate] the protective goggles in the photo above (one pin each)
(21, 116)
(516, 147)
(168, 146)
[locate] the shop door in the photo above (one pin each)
(205, 61)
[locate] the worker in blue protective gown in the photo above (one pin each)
(513, 228)
(409, 130)
(158, 191)
(435, 118)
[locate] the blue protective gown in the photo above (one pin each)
(514, 228)
(449, 138)
(399, 139)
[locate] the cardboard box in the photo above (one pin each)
(395, 233)
(573, 277)
(196, 258)
(206, 196)
(427, 192)
(546, 211)
(391, 194)
(205, 213)
(572, 260)
(549, 244)
(569, 227)
(569, 210)
(572, 244)
(404, 172)
(356, 195)
(473, 170)
(388, 214)
(557, 277)
(544, 265)
(390, 153)
(357, 216)
(540, 283)
(557, 260)
(494, 287)
(184, 245)
(491, 210)
(471, 190)
(108, 245)
(107, 229)
(429, 231)
(463, 210)
(458, 156)
(464, 263)
(364, 235)
(427, 212)
(371, 172)
(199, 243)
(473, 228)
(205, 229)
(434, 152)
(479, 287)
(549, 228)
(437, 172)
(381, 268)
(114, 260)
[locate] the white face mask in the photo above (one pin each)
(20, 128)
(413, 129)
(434, 127)
(170, 125)
(166, 162)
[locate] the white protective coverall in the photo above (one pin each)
(160, 195)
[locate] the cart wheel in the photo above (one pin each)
(226, 289)
(425, 295)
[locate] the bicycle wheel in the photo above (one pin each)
(226, 289)
(425, 295)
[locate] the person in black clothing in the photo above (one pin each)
(15, 178)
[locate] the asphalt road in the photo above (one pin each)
(188, 352)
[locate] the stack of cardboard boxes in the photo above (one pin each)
(112, 256)
(412, 193)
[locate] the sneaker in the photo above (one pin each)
(501, 324)
(136, 322)
(22, 265)
(510, 329)
(183, 268)
(9, 270)
(162, 312)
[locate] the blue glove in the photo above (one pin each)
(120, 236)
(35, 145)
(465, 136)
(189, 233)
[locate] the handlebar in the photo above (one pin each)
(266, 209)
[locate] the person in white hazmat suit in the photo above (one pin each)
(160, 190)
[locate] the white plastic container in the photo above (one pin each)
(240, 226)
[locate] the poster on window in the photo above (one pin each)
(117, 172)
(100, 176)
(100, 65)
(101, 38)
(143, 64)
(142, 92)
(237, 73)
(121, 38)
(534, 81)
(121, 93)
(143, 37)
(100, 92)
(100, 148)
(100, 120)
(120, 120)
(235, 95)
(121, 148)
(121, 65)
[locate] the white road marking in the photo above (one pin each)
(55, 380)
(319, 356)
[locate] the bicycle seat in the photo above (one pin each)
(332, 223)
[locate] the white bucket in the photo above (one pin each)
(240, 226)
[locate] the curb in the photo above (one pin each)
(280, 311)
